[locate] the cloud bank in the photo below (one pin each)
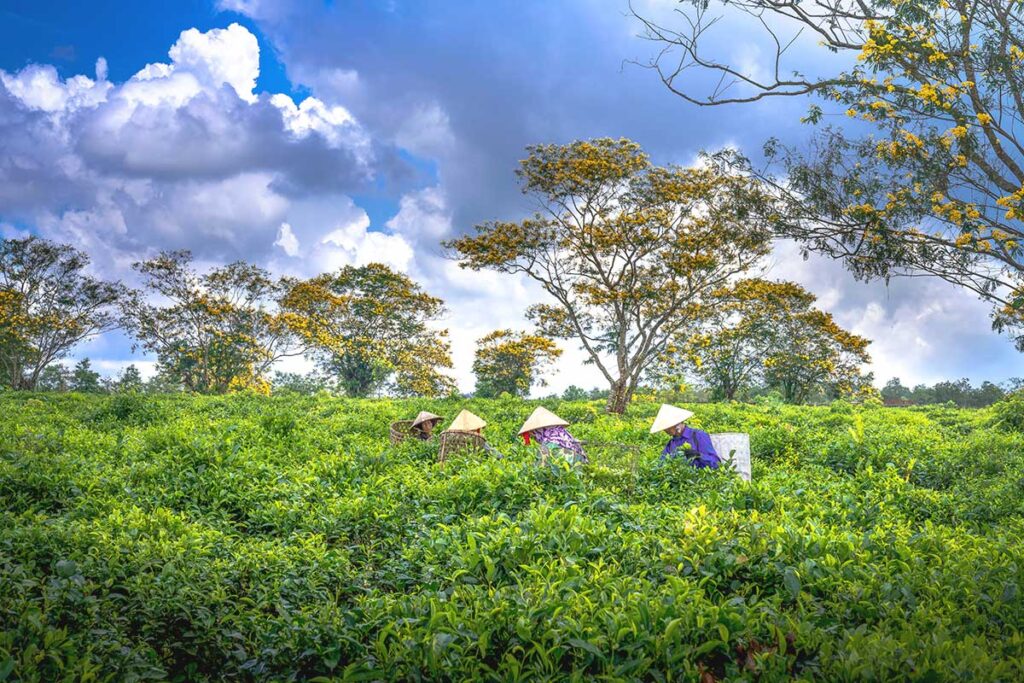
(184, 154)
(412, 121)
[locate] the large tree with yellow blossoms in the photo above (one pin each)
(513, 362)
(212, 332)
(372, 329)
(627, 251)
(48, 304)
(937, 187)
(764, 333)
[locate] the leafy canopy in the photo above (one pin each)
(624, 248)
(739, 329)
(369, 327)
(48, 304)
(216, 332)
(816, 353)
(84, 379)
(512, 362)
(938, 187)
(756, 333)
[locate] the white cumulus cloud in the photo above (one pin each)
(230, 56)
(287, 240)
(184, 154)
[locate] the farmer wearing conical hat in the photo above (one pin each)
(686, 441)
(467, 422)
(423, 426)
(549, 431)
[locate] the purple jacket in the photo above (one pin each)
(701, 451)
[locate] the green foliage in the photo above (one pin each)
(960, 392)
(84, 379)
(54, 377)
(625, 249)
(758, 332)
(931, 181)
(293, 382)
(1008, 414)
(215, 332)
(512, 362)
(370, 330)
(130, 381)
(250, 538)
(48, 304)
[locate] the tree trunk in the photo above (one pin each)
(23, 381)
(619, 397)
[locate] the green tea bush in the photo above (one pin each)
(277, 539)
(1008, 414)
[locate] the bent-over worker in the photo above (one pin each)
(694, 444)
(550, 433)
(468, 423)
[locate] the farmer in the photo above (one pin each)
(551, 435)
(423, 426)
(686, 441)
(468, 423)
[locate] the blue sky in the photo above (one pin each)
(308, 135)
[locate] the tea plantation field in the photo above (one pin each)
(246, 538)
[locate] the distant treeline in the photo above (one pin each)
(961, 392)
(83, 379)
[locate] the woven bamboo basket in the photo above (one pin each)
(400, 431)
(456, 442)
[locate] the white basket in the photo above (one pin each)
(735, 447)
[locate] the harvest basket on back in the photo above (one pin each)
(734, 447)
(459, 442)
(400, 431)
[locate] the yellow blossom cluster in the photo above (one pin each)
(1012, 204)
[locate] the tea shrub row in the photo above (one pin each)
(246, 538)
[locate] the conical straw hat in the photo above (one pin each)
(669, 416)
(466, 422)
(424, 416)
(541, 417)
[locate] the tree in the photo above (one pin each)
(743, 323)
(960, 392)
(625, 249)
(957, 392)
(130, 381)
(48, 304)
(213, 333)
(895, 391)
(938, 190)
(574, 393)
(84, 379)
(295, 383)
(755, 332)
(512, 362)
(812, 353)
(1013, 385)
(922, 394)
(54, 377)
(163, 383)
(369, 327)
(985, 395)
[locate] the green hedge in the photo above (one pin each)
(247, 538)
